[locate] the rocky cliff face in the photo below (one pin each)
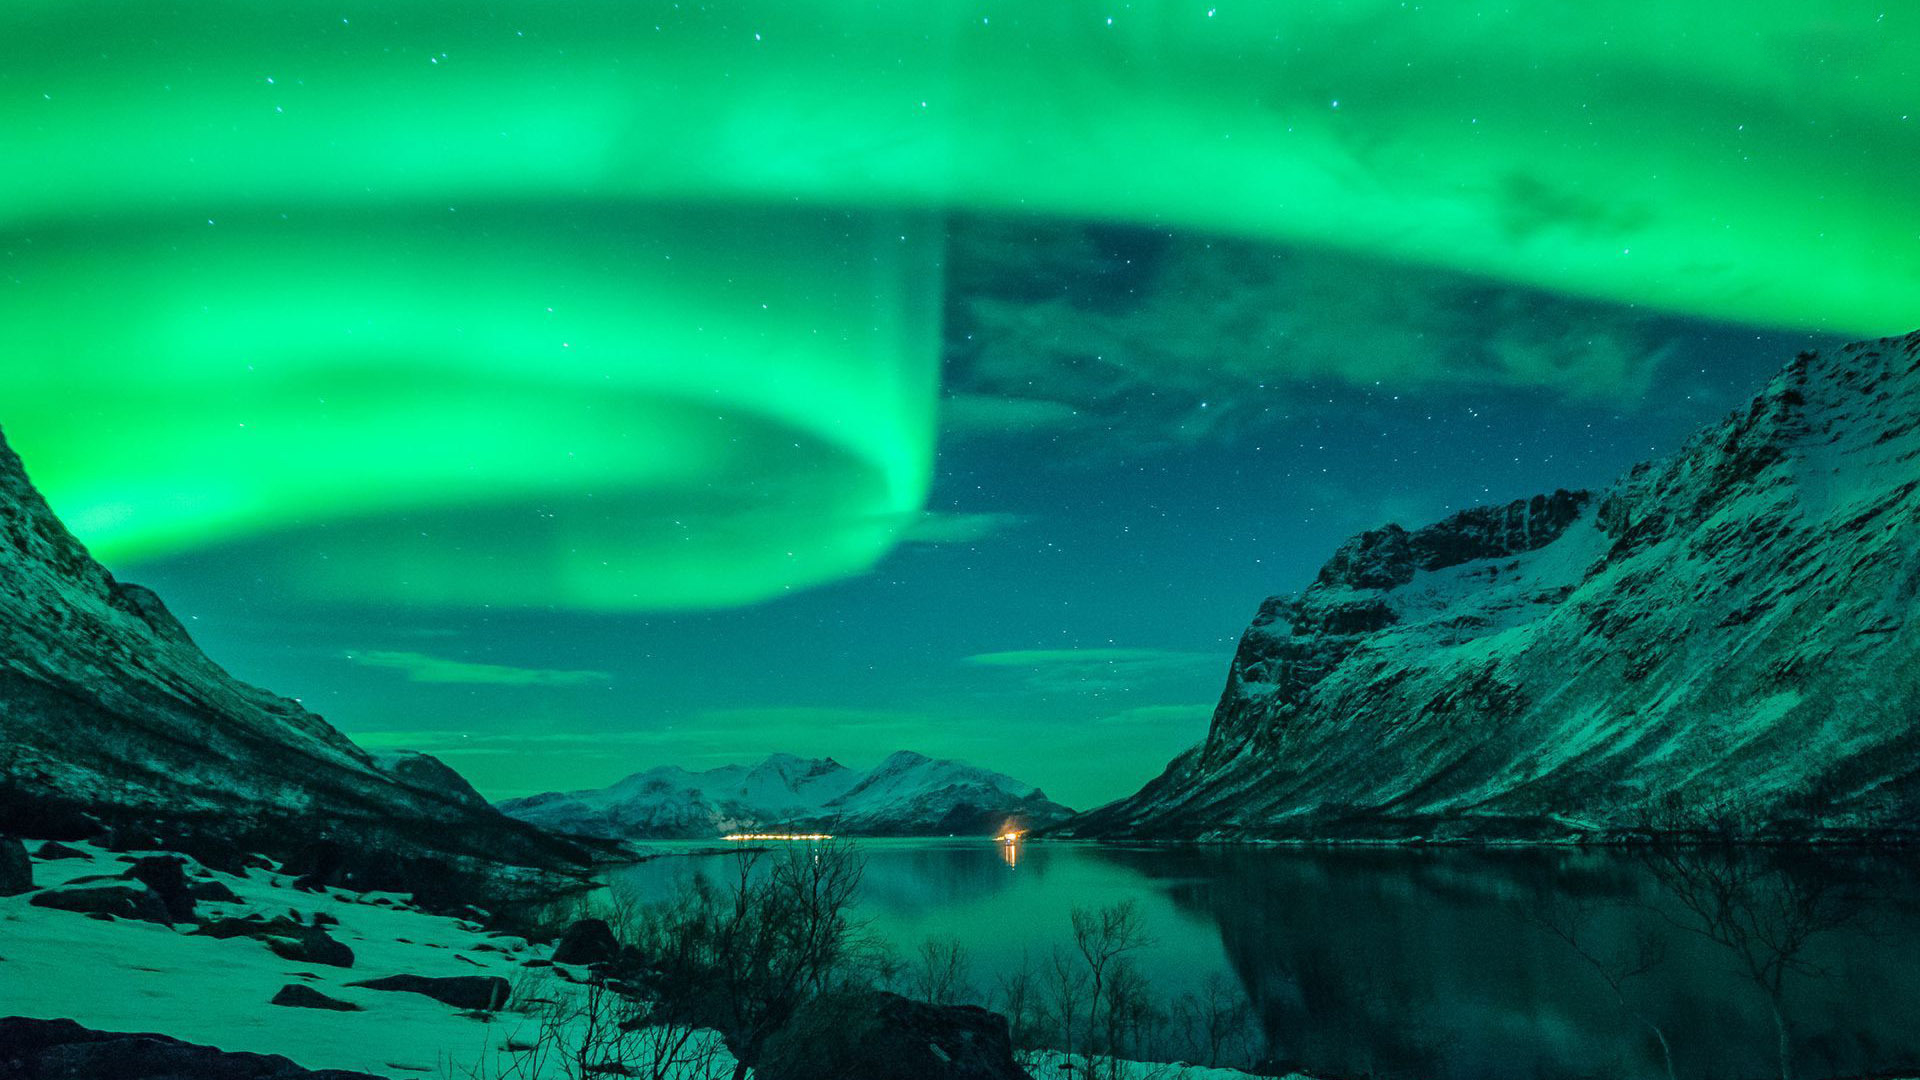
(1726, 639)
(908, 794)
(110, 714)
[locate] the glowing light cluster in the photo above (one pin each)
(778, 836)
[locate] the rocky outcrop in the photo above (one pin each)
(113, 723)
(907, 794)
(62, 1049)
(483, 993)
(1724, 640)
(299, 996)
(882, 1036)
(16, 869)
(587, 941)
(115, 901)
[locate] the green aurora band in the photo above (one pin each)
(287, 268)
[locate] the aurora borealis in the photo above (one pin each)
(779, 361)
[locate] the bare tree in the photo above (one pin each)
(1096, 1004)
(939, 974)
(1017, 996)
(1754, 905)
(1571, 922)
(743, 960)
(1214, 1024)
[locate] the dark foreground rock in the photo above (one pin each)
(214, 891)
(54, 849)
(481, 992)
(63, 1050)
(311, 945)
(16, 870)
(166, 875)
(881, 1036)
(119, 901)
(589, 941)
(297, 996)
(288, 939)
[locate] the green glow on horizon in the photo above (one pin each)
(221, 213)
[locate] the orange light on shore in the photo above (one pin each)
(777, 836)
(1010, 846)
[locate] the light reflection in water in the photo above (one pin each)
(1431, 963)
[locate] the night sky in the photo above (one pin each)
(568, 391)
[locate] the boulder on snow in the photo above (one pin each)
(166, 875)
(16, 870)
(54, 849)
(287, 938)
(297, 996)
(882, 1036)
(482, 992)
(214, 891)
(119, 901)
(588, 941)
(46, 1049)
(311, 945)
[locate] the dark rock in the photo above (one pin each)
(588, 941)
(46, 818)
(16, 870)
(120, 901)
(325, 918)
(287, 938)
(54, 850)
(482, 992)
(296, 996)
(63, 1050)
(166, 875)
(252, 926)
(214, 891)
(881, 1036)
(311, 945)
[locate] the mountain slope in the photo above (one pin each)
(905, 795)
(109, 710)
(1725, 639)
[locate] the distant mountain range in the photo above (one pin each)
(1728, 639)
(908, 794)
(111, 718)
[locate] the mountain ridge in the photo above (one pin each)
(907, 794)
(111, 716)
(1723, 640)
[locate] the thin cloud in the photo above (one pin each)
(949, 527)
(421, 668)
(1098, 670)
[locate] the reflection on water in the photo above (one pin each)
(1450, 963)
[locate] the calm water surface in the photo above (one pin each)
(1439, 963)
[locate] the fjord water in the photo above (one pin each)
(1429, 962)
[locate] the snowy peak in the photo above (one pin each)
(1724, 639)
(907, 794)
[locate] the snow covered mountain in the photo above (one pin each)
(110, 715)
(1727, 639)
(908, 794)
